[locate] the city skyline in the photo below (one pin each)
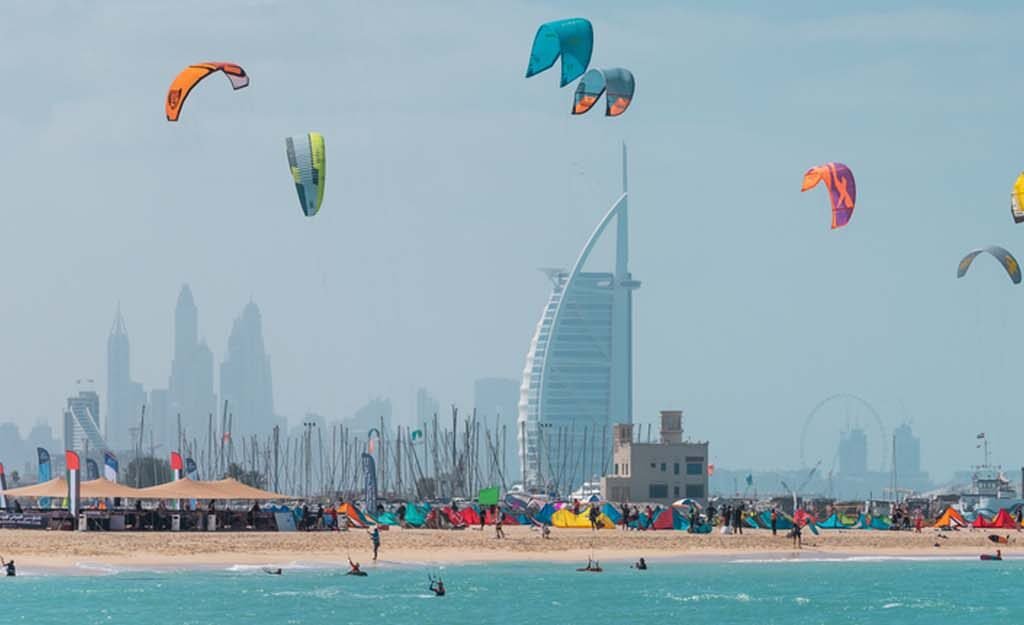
(419, 270)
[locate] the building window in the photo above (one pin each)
(675, 468)
(695, 491)
(616, 468)
(662, 467)
(625, 469)
(675, 490)
(695, 468)
(654, 465)
(658, 491)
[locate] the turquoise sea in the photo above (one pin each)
(826, 591)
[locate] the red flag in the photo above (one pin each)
(71, 459)
(176, 463)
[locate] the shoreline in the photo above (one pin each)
(104, 553)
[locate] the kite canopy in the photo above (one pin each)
(190, 77)
(841, 187)
(619, 84)
(1004, 257)
(307, 158)
(1017, 200)
(572, 39)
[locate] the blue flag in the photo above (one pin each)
(45, 474)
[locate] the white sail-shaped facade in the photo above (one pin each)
(578, 378)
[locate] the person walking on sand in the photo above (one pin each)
(594, 513)
(797, 537)
(483, 518)
(775, 522)
(375, 539)
(498, 531)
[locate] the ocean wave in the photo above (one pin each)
(879, 558)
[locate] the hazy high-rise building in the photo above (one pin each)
(125, 397)
(426, 407)
(82, 425)
(370, 416)
(578, 378)
(245, 380)
(907, 451)
(853, 453)
(497, 402)
(190, 388)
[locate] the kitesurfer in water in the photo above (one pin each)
(354, 569)
(8, 566)
(437, 587)
(641, 565)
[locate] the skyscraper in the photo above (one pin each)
(190, 388)
(369, 417)
(426, 407)
(578, 378)
(82, 424)
(496, 401)
(125, 397)
(853, 453)
(245, 380)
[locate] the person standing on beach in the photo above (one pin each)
(483, 518)
(797, 537)
(594, 513)
(375, 539)
(1020, 516)
(775, 522)
(737, 518)
(400, 513)
(498, 531)
(649, 512)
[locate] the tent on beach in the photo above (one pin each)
(1004, 521)
(833, 523)
(950, 518)
(565, 518)
(981, 522)
(416, 514)
(782, 520)
(100, 488)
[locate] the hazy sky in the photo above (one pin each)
(451, 179)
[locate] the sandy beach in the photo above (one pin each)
(68, 549)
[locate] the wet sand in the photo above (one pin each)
(150, 549)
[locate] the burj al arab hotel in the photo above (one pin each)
(578, 378)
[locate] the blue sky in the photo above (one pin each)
(451, 179)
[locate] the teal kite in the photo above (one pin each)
(571, 39)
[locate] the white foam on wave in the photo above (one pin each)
(879, 558)
(710, 596)
(96, 568)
